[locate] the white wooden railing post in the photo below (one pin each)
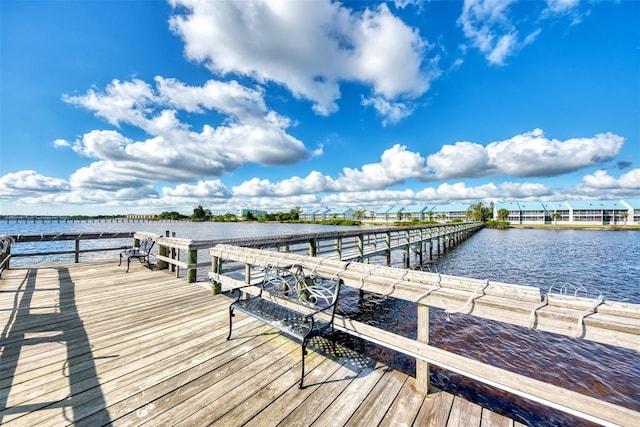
(422, 367)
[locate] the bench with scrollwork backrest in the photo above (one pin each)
(290, 300)
(141, 251)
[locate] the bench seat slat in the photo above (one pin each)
(287, 320)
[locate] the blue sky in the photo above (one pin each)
(115, 107)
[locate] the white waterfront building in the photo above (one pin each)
(585, 212)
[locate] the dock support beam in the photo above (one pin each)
(192, 260)
(216, 268)
(422, 367)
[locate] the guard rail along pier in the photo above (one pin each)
(613, 323)
(182, 254)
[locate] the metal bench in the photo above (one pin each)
(290, 300)
(142, 252)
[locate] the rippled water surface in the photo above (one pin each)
(584, 262)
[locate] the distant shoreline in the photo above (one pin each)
(609, 227)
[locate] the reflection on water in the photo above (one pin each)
(603, 262)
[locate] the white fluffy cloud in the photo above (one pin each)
(174, 152)
(212, 189)
(530, 154)
(278, 41)
(29, 182)
(601, 180)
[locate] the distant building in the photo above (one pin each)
(314, 214)
(445, 213)
(390, 214)
(587, 212)
(599, 212)
(416, 212)
(633, 210)
(339, 213)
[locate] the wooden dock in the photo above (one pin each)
(86, 344)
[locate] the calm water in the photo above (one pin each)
(587, 263)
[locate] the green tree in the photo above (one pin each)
(503, 214)
(481, 212)
(359, 214)
(200, 214)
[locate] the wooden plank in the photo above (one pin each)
(329, 374)
(243, 411)
(464, 413)
(405, 406)
(132, 404)
(213, 385)
(435, 410)
(347, 402)
(376, 405)
(276, 375)
(491, 419)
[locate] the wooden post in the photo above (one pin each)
(313, 247)
(192, 258)
(247, 273)
(216, 268)
(361, 247)
(388, 242)
(77, 254)
(173, 256)
(407, 249)
(422, 367)
(162, 251)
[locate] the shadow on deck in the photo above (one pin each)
(42, 317)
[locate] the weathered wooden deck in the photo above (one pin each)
(87, 344)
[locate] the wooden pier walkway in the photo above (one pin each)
(86, 344)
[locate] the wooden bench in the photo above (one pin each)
(290, 300)
(142, 252)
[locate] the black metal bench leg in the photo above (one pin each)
(304, 353)
(120, 263)
(128, 262)
(230, 321)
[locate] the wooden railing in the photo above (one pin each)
(607, 322)
(7, 241)
(181, 254)
(359, 244)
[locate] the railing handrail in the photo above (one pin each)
(166, 246)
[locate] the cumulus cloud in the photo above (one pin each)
(396, 165)
(601, 180)
(463, 159)
(250, 132)
(203, 189)
(526, 155)
(275, 41)
(29, 181)
(530, 154)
